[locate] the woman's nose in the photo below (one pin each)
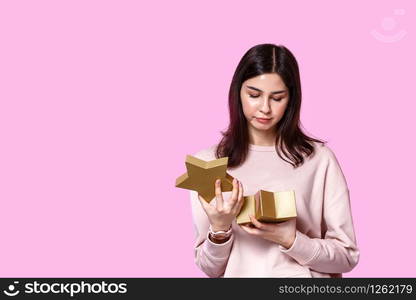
(265, 106)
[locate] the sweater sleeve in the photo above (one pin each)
(337, 251)
(211, 258)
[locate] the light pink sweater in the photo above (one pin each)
(325, 244)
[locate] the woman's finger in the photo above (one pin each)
(234, 193)
(258, 224)
(253, 231)
(218, 195)
(240, 200)
(240, 193)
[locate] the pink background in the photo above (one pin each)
(100, 101)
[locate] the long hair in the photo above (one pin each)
(290, 140)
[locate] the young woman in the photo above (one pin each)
(268, 150)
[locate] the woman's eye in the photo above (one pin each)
(256, 96)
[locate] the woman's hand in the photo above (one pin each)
(283, 233)
(223, 213)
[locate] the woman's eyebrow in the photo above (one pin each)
(256, 89)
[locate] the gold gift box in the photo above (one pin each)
(271, 207)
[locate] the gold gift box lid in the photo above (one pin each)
(201, 176)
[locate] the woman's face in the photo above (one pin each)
(264, 99)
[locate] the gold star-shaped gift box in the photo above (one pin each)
(201, 176)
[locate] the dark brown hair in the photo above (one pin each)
(290, 140)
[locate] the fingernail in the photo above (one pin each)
(218, 181)
(234, 180)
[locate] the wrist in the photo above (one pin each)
(220, 227)
(220, 234)
(289, 243)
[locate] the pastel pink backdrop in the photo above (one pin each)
(100, 101)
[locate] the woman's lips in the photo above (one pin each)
(263, 121)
